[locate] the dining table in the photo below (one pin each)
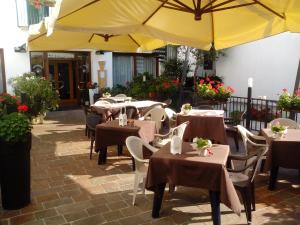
(117, 99)
(207, 124)
(110, 133)
(192, 170)
(283, 152)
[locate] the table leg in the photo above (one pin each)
(102, 156)
(215, 207)
(157, 200)
(273, 177)
(120, 150)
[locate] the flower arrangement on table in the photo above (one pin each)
(278, 130)
(39, 3)
(202, 146)
(106, 95)
(185, 108)
(289, 101)
(213, 90)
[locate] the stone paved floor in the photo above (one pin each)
(68, 188)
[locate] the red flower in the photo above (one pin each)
(1, 100)
(166, 85)
(230, 89)
(201, 81)
(284, 90)
(211, 82)
(22, 108)
(176, 82)
(215, 90)
(207, 79)
(297, 92)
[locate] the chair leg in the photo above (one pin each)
(92, 145)
(253, 196)
(246, 195)
(135, 187)
(144, 185)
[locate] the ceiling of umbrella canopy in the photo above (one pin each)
(197, 23)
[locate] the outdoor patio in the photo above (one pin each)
(69, 188)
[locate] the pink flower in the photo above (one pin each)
(201, 81)
(284, 90)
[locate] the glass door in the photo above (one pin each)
(61, 74)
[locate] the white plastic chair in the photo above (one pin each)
(135, 147)
(291, 124)
(121, 96)
(158, 115)
(162, 139)
(246, 135)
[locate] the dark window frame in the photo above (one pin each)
(3, 69)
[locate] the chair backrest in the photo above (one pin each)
(110, 100)
(291, 124)
(121, 95)
(92, 120)
(135, 147)
(158, 115)
(156, 105)
(255, 161)
(132, 112)
(170, 113)
(168, 102)
(244, 134)
(179, 130)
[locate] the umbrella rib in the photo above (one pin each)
(178, 9)
(229, 7)
(208, 4)
(82, 7)
(220, 4)
(91, 38)
(282, 16)
(184, 5)
(134, 40)
(155, 11)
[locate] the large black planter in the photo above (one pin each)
(15, 173)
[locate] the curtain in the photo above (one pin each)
(122, 69)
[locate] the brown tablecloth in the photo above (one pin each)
(285, 151)
(189, 169)
(110, 133)
(210, 127)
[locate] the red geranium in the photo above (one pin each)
(166, 85)
(23, 108)
(297, 92)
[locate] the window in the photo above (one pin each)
(2, 73)
(27, 14)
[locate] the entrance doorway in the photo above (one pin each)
(63, 79)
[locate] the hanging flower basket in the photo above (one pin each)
(211, 92)
(39, 3)
(288, 101)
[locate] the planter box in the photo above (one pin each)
(15, 174)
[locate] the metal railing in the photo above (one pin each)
(262, 111)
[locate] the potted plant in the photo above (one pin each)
(279, 130)
(213, 91)
(289, 102)
(38, 93)
(9, 103)
(15, 142)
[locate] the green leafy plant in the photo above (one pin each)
(278, 128)
(39, 92)
(187, 106)
(14, 127)
(202, 142)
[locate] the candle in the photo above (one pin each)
(250, 82)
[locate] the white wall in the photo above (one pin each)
(12, 36)
(272, 62)
(107, 57)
